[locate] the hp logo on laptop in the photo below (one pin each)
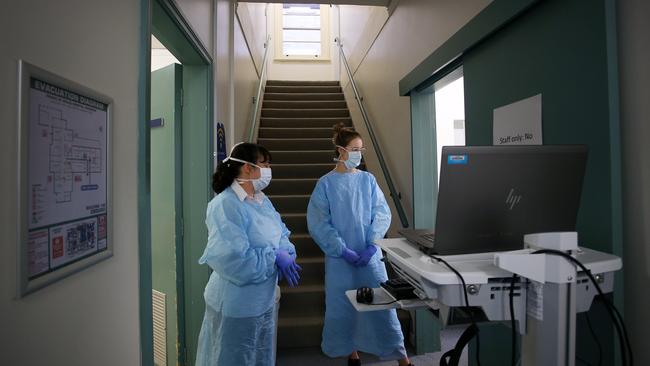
(512, 199)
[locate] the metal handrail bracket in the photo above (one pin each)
(373, 138)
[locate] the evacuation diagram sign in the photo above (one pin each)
(67, 214)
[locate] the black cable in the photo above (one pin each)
(620, 319)
(623, 339)
(469, 310)
(478, 345)
(583, 361)
(384, 303)
(513, 358)
(593, 334)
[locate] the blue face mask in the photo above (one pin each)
(354, 158)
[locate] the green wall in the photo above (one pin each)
(558, 48)
(566, 50)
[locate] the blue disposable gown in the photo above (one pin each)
(243, 238)
(349, 210)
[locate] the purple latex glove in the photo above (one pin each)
(287, 268)
(365, 255)
(350, 256)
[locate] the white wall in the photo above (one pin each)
(249, 38)
(303, 70)
(160, 56)
(359, 27)
(92, 317)
(224, 110)
(199, 13)
(634, 58)
(414, 30)
(253, 22)
(246, 81)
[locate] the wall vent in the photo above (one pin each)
(159, 328)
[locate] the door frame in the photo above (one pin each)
(164, 18)
(174, 300)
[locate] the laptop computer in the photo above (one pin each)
(490, 196)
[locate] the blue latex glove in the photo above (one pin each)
(350, 256)
(365, 255)
(287, 267)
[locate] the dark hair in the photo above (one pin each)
(228, 171)
(342, 136)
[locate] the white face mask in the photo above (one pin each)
(354, 158)
(259, 183)
(264, 180)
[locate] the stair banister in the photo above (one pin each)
(258, 97)
(373, 138)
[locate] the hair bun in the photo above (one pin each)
(340, 127)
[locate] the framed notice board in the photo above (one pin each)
(64, 178)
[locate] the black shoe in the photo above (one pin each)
(354, 362)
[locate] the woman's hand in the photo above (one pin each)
(350, 256)
(365, 255)
(287, 268)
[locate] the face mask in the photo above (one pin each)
(264, 179)
(259, 183)
(354, 159)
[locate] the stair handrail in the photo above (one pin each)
(373, 138)
(259, 90)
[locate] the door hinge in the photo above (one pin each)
(182, 96)
(182, 228)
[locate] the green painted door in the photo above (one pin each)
(166, 208)
(197, 192)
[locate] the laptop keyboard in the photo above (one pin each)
(428, 237)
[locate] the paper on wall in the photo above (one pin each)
(518, 123)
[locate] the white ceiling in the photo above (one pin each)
(384, 3)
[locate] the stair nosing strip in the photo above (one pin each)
(274, 179)
(298, 93)
(301, 164)
(287, 195)
(296, 151)
(306, 289)
(303, 109)
(311, 260)
(273, 119)
(289, 322)
(295, 138)
(295, 128)
(301, 235)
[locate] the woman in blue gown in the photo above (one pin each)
(248, 248)
(347, 212)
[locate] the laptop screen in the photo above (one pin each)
(490, 196)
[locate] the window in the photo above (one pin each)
(450, 112)
(437, 120)
(302, 32)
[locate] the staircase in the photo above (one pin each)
(296, 126)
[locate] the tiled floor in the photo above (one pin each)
(314, 357)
